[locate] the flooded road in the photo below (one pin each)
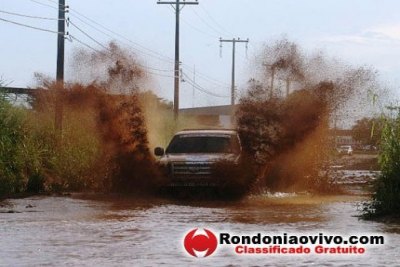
(111, 231)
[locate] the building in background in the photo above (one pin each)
(215, 116)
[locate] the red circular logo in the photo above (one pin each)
(200, 243)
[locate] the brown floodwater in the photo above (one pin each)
(94, 230)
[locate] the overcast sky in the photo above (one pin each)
(356, 31)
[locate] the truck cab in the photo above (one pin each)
(189, 157)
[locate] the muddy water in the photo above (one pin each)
(111, 231)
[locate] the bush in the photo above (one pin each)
(12, 136)
(31, 158)
(386, 198)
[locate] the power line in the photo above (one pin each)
(31, 27)
(83, 43)
(43, 4)
(195, 28)
(97, 29)
(201, 89)
(202, 76)
(109, 56)
(210, 79)
(56, 3)
(90, 22)
(73, 37)
(178, 5)
(78, 14)
(26, 16)
(128, 42)
(148, 69)
(233, 41)
(199, 30)
(87, 35)
(208, 25)
(97, 42)
(108, 49)
(121, 36)
(215, 22)
(154, 54)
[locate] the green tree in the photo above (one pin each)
(368, 131)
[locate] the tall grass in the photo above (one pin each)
(31, 158)
(67, 165)
(386, 198)
(12, 150)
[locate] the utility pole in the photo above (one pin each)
(60, 67)
(177, 5)
(287, 87)
(271, 91)
(194, 81)
(271, 87)
(233, 41)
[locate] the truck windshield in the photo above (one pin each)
(203, 144)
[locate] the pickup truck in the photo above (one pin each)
(189, 158)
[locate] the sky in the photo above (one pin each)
(359, 32)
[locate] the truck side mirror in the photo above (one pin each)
(159, 151)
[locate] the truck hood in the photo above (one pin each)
(198, 157)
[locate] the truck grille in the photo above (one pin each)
(187, 170)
